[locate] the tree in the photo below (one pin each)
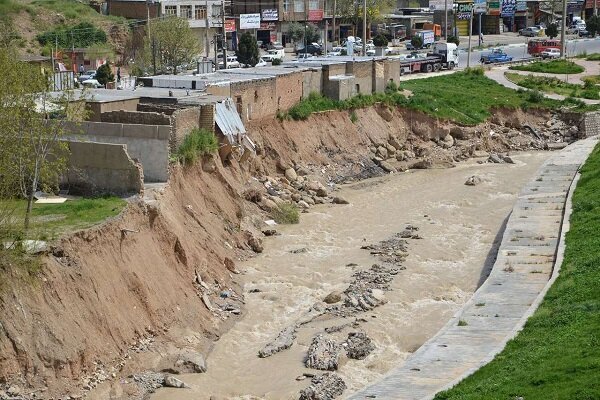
(593, 24)
(296, 32)
(416, 41)
(380, 41)
(351, 11)
(453, 39)
(552, 31)
(104, 74)
(247, 52)
(32, 154)
(171, 44)
(312, 33)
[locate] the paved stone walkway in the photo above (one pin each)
(512, 292)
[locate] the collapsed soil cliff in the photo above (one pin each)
(138, 278)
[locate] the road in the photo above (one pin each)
(519, 51)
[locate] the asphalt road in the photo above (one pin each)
(519, 51)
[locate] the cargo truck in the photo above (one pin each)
(443, 56)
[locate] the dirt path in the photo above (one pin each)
(459, 225)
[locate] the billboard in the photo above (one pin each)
(464, 10)
(508, 8)
(521, 5)
(229, 25)
(479, 7)
(493, 7)
(270, 14)
(249, 21)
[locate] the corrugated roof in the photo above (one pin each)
(229, 121)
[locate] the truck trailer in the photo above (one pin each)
(443, 56)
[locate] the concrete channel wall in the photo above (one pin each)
(149, 144)
(528, 261)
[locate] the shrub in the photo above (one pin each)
(198, 142)
(453, 39)
(247, 50)
(286, 214)
(535, 96)
(104, 74)
(380, 41)
(391, 87)
(417, 41)
(353, 116)
(276, 61)
(552, 31)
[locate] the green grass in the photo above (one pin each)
(551, 67)
(557, 354)
(286, 214)
(52, 220)
(197, 143)
(556, 85)
(589, 57)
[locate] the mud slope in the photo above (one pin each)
(103, 290)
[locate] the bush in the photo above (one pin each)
(247, 52)
(198, 142)
(535, 96)
(453, 39)
(276, 61)
(417, 42)
(391, 87)
(552, 31)
(286, 214)
(104, 74)
(353, 117)
(380, 41)
(80, 35)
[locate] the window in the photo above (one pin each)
(313, 5)
(216, 11)
(170, 10)
(299, 6)
(286, 6)
(200, 12)
(185, 11)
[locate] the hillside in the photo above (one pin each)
(24, 20)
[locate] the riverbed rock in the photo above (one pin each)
(171, 381)
(283, 165)
(386, 166)
(507, 159)
(191, 361)
(339, 200)
(324, 387)
(268, 204)
(421, 164)
(480, 154)
(359, 345)
(255, 244)
(333, 297)
(382, 152)
(323, 354)
(322, 192)
(390, 149)
(459, 133)
(495, 158)
(394, 142)
(304, 205)
(291, 175)
(473, 181)
(447, 141)
(284, 340)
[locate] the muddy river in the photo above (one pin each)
(460, 226)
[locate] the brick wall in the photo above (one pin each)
(313, 82)
(132, 9)
(207, 117)
(183, 122)
(135, 117)
(288, 90)
(392, 70)
(98, 108)
(256, 98)
(363, 76)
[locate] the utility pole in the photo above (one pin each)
(470, 33)
(445, 19)
(326, 25)
(364, 41)
(306, 5)
(595, 7)
(333, 22)
(563, 36)
(224, 42)
(480, 33)
(207, 37)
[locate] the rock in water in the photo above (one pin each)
(339, 200)
(324, 387)
(359, 345)
(255, 244)
(507, 159)
(192, 361)
(473, 181)
(283, 341)
(333, 297)
(495, 158)
(323, 354)
(171, 381)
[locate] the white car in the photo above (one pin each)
(304, 56)
(550, 53)
(92, 83)
(232, 62)
(261, 63)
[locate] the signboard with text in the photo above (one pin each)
(493, 7)
(439, 4)
(315, 15)
(268, 26)
(464, 10)
(249, 21)
(509, 7)
(229, 25)
(479, 7)
(270, 14)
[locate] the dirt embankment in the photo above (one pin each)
(120, 298)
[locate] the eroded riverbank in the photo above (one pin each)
(459, 225)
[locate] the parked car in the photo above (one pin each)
(312, 49)
(273, 54)
(336, 51)
(275, 46)
(496, 56)
(584, 33)
(232, 62)
(304, 56)
(550, 53)
(91, 74)
(91, 83)
(531, 31)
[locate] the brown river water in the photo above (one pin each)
(460, 226)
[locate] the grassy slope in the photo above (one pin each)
(556, 85)
(51, 220)
(551, 67)
(557, 355)
(463, 97)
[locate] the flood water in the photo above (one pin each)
(459, 225)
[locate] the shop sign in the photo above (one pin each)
(479, 7)
(464, 10)
(493, 7)
(270, 14)
(509, 7)
(229, 25)
(249, 21)
(315, 15)
(268, 26)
